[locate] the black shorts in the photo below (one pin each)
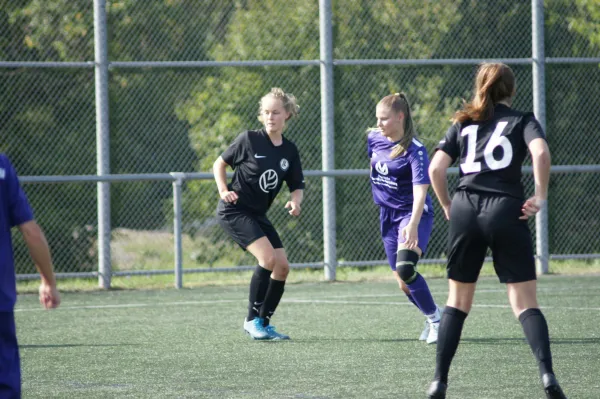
(479, 221)
(245, 227)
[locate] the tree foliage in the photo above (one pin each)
(165, 120)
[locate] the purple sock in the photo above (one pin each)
(421, 295)
(410, 298)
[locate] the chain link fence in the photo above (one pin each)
(185, 78)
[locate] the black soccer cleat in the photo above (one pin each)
(551, 387)
(437, 390)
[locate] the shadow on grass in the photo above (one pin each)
(557, 341)
(50, 346)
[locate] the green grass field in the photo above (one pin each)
(349, 340)
(347, 274)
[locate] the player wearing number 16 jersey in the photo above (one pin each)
(490, 140)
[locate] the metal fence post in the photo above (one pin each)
(327, 138)
(177, 227)
(102, 142)
(539, 109)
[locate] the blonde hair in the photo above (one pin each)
(287, 100)
(494, 82)
(398, 102)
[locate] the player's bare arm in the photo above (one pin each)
(40, 254)
(438, 175)
(540, 156)
(294, 203)
(410, 232)
(219, 170)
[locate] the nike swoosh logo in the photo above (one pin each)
(259, 156)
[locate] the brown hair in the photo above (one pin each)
(288, 100)
(494, 82)
(398, 102)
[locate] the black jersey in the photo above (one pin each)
(260, 169)
(491, 152)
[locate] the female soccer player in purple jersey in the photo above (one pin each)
(490, 140)
(399, 183)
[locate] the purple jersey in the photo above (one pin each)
(392, 180)
(14, 210)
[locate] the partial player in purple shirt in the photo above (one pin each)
(399, 183)
(16, 212)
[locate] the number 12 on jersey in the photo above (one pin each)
(470, 165)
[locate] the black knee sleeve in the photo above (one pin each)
(406, 264)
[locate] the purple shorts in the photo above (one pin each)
(10, 368)
(392, 223)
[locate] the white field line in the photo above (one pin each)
(478, 291)
(337, 302)
(133, 305)
(295, 300)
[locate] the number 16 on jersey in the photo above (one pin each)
(471, 163)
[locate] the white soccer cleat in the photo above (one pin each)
(425, 332)
(255, 328)
(433, 332)
(437, 316)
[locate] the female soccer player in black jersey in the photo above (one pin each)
(490, 140)
(262, 160)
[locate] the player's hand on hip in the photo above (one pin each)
(49, 295)
(294, 208)
(229, 196)
(410, 233)
(531, 207)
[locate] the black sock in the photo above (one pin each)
(536, 331)
(258, 289)
(449, 333)
(274, 294)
